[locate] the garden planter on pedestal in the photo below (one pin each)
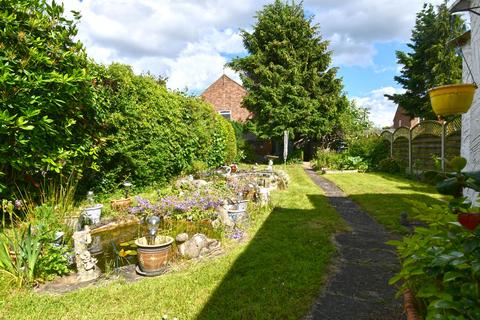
(153, 258)
(452, 99)
(93, 213)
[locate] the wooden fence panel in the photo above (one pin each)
(424, 141)
(424, 148)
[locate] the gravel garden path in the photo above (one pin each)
(357, 287)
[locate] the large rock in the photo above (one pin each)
(198, 246)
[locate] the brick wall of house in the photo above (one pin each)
(226, 94)
(402, 120)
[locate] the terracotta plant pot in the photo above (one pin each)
(153, 258)
(452, 99)
(409, 306)
(469, 220)
(121, 204)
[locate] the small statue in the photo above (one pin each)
(86, 264)
(270, 165)
(263, 196)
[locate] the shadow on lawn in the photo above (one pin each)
(413, 185)
(387, 208)
(281, 271)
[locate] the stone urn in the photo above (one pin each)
(93, 213)
(238, 212)
(153, 254)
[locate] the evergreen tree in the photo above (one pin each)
(287, 74)
(432, 61)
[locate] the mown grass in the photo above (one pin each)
(384, 196)
(275, 275)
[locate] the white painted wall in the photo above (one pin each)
(470, 147)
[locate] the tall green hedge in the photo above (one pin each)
(152, 134)
(62, 113)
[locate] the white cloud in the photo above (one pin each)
(353, 27)
(188, 40)
(381, 109)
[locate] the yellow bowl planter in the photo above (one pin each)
(452, 99)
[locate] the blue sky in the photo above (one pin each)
(189, 41)
(360, 80)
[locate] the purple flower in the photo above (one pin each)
(18, 204)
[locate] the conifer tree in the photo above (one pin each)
(287, 73)
(432, 61)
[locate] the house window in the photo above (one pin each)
(227, 114)
(400, 123)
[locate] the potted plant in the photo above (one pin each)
(153, 251)
(452, 99)
(452, 184)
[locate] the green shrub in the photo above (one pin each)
(391, 165)
(326, 159)
(296, 156)
(48, 118)
(151, 134)
(372, 149)
(66, 114)
(245, 151)
(441, 266)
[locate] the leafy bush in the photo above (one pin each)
(296, 156)
(245, 151)
(441, 263)
(326, 159)
(150, 134)
(441, 266)
(63, 112)
(48, 116)
(231, 143)
(19, 254)
(391, 165)
(372, 149)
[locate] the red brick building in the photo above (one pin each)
(226, 96)
(402, 120)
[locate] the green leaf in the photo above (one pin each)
(428, 290)
(451, 275)
(396, 243)
(395, 279)
(458, 163)
(449, 186)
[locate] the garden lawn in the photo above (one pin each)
(384, 196)
(276, 274)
